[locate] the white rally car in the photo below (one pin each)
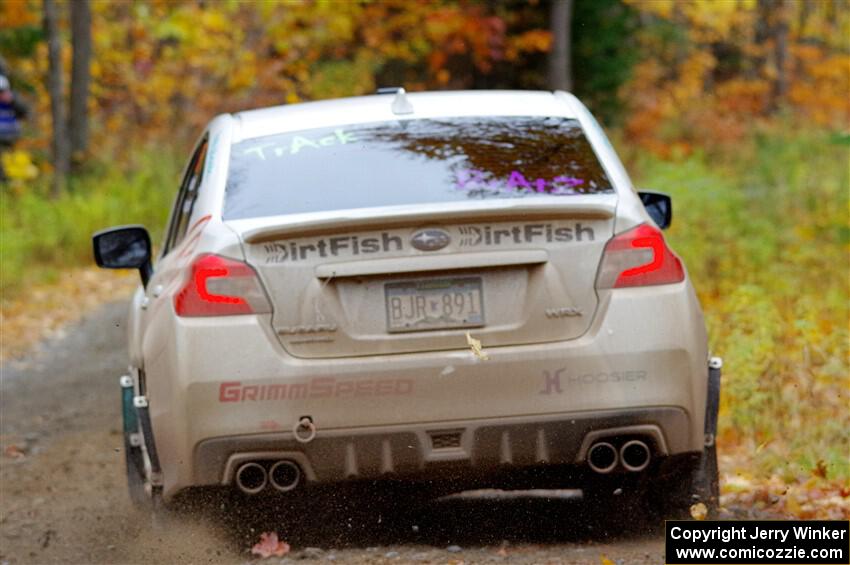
(454, 289)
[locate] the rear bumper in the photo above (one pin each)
(220, 389)
(446, 448)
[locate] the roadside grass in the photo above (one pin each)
(40, 238)
(764, 231)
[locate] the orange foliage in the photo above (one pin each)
(824, 95)
(682, 97)
(161, 69)
(18, 14)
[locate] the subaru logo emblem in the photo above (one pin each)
(430, 239)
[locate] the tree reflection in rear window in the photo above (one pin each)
(411, 162)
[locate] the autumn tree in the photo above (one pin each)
(668, 70)
(78, 127)
(771, 37)
(60, 146)
(560, 67)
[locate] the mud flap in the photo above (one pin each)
(133, 455)
(143, 414)
(131, 426)
(712, 402)
(138, 439)
(706, 478)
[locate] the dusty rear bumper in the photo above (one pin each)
(419, 450)
(643, 360)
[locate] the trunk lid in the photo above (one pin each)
(415, 279)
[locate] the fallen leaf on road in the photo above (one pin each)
(699, 511)
(14, 452)
(606, 561)
(806, 496)
(792, 505)
(761, 494)
(270, 546)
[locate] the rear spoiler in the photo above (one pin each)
(277, 227)
(441, 262)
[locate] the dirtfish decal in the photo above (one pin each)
(465, 236)
(472, 236)
(279, 252)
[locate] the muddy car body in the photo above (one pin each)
(446, 288)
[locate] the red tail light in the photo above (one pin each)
(219, 286)
(639, 257)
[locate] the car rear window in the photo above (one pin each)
(410, 162)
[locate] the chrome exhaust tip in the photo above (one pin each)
(251, 478)
(285, 475)
(635, 455)
(602, 457)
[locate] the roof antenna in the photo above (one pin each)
(401, 105)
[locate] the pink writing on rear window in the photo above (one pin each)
(478, 180)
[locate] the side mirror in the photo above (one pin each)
(659, 206)
(124, 247)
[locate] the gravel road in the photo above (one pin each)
(63, 499)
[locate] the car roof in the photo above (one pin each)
(363, 109)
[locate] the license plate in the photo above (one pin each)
(434, 304)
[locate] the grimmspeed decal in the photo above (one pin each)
(463, 236)
(318, 387)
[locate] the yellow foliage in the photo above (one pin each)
(685, 96)
(661, 8)
(18, 165)
(824, 94)
(534, 40)
(707, 82)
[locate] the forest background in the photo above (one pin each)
(740, 109)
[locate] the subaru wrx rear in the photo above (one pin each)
(454, 289)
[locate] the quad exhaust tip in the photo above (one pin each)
(285, 475)
(251, 478)
(635, 455)
(602, 457)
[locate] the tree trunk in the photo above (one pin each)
(771, 37)
(560, 67)
(61, 155)
(780, 52)
(78, 125)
